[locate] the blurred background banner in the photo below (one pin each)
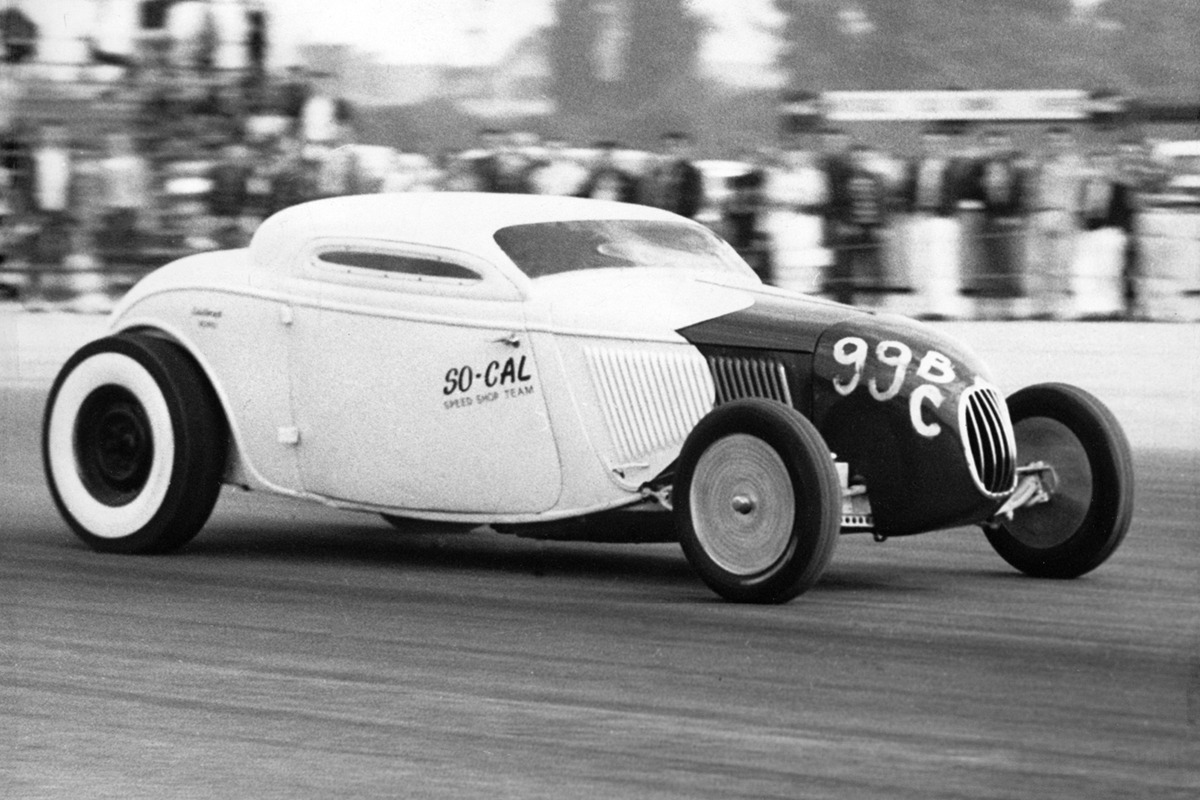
(978, 105)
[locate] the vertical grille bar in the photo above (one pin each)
(987, 439)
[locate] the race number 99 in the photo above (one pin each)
(894, 359)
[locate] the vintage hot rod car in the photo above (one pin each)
(562, 368)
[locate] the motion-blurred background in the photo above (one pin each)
(944, 158)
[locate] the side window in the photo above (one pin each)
(394, 263)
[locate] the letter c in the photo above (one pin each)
(933, 394)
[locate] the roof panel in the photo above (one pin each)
(457, 220)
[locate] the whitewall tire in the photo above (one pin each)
(134, 445)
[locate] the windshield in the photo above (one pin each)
(549, 248)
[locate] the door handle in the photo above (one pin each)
(512, 340)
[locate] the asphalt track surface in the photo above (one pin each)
(296, 652)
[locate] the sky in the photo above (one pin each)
(413, 31)
(397, 31)
(479, 31)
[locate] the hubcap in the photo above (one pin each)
(743, 504)
(1050, 524)
(114, 447)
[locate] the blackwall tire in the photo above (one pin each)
(1090, 509)
(134, 445)
(757, 502)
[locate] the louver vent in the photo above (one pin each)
(651, 400)
(738, 377)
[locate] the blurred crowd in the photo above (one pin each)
(970, 226)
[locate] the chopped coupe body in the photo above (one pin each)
(543, 365)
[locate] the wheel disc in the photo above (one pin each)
(114, 446)
(1050, 524)
(743, 504)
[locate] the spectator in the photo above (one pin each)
(52, 193)
(15, 230)
(291, 176)
(6, 212)
(606, 180)
(935, 182)
(1107, 221)
(501, 165)
(12, 89)
(194, 35)
(483, 159)
(293, 93)
(795, 198)
(1056, 192)
(512, 165)
(229, 32)
(16, 159)
(334, 168)
(556, 172)
(256, 38)
(998, 183)
(410, 172)
(674, 182)
(18, 35)
(229, 195)
(154, 40)
(125, 187)
(1136, 174)
(834, 166)
(743, 211)
(860, 231)
(460, 173)
(258, 182)
(112, 42)
(325, 118)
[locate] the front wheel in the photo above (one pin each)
(757, 502)
(1091, 494)
(134, 445)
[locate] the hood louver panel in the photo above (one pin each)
(650, 400)
(739, 377)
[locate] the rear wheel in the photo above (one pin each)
(757, 502)
(133, 445)
(1091, 483)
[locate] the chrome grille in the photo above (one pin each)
(737, 377)
(651, 400)
(988, 439)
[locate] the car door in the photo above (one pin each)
(414, 386)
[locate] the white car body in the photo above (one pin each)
(335, 379)
(516, 360)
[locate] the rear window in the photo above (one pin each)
(395, 263)
(549, 248)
